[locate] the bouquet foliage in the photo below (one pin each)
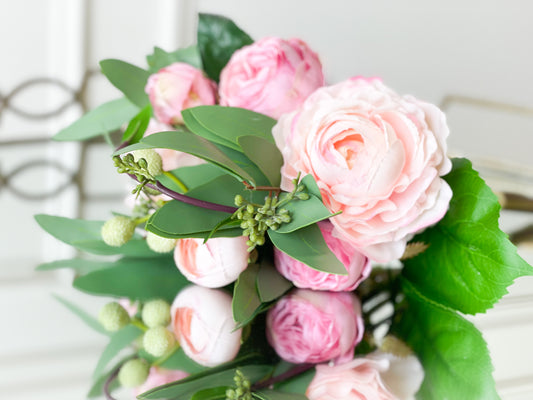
(289, 240)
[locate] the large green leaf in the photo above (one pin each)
(216, 393)
(269, 394)
(245, 297)
(452, 351)
(83, 315)
(218, 38)
(136, 279)
(308, 246)
(470, 261)
(192, 176)
(103, 119)
(85, 235)
(161, 58)
(80, 265)
(119, 341)
(270, 283)
(127, 78)
(186, 388)
(265, 155)
(304, 213)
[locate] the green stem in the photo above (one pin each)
(139, 324)
(178, 182)
(141, 220)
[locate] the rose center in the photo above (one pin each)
(349, 146)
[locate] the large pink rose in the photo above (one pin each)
(177, 87)
(357, 265)
(272, 76)
(203, 324)
(378, 376)
(213, 264)
(307, 326)
(159, 376)
(376, 156)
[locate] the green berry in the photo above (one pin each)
(239, 200)
(118, 231)
(133, 372)
(160, 244)
(153, 160)
(158, 341)
(113, 317)
(156, 313)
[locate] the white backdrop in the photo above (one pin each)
(478, 49)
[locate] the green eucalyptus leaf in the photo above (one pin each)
(137, 126)
(304, 213)
(161, 58)
(216, 393)
(312, 188)
(269, 394)
(218, 38)
(83, 315)
(245, 297)
(119, 341)
(85, 235)
(80, 265)
(103, 119)
(452, 351)
(136, 279)
(308, 246)
(179, 360)
(270, 283)
(127, 78)
(246, 164)
(211, 378)
(192, 176)
(470, 262)
(97, 387)
(265, 155)
(297, 384)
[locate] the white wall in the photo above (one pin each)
(471, 48)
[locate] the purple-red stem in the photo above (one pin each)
(108, 381)
(295, 371)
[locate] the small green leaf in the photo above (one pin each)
(179, 360)
(270, 283)
(85, 235)
(245, 298)
(452, 351)
(103, 119)
(84, 316)
(80, 265)
(212, 378)
(304, 213)
(160, 58)
(216, 393)
(218, 38)
(265, 155)
(470, 262)
(127, 78)
(136, 279)
(137, 126)
(308, 246)
(269, 394)
(312, 188)
(119, 341)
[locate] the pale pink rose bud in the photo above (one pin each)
(203, 324)
(215, 263)
(376, 156)
(307, 326)
(159, 376)
(177, 87)
(271, 76)
(377, 376)
(357, 265)
(172, 159)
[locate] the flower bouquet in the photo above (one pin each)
(288, 239)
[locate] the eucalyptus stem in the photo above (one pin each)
(108, 382)
(177, 181)
(291, 373)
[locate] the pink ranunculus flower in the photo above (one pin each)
(177, 87)
(357, 265)
(171, 159)
(202, 321)
(308, 326)
(213, 264)
(271, 76)
(371, 377)
(159, 376)
(377, 157)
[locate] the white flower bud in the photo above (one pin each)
(214, 264)
(155, 165)
(118, 231)
(113, 317)
(160, 244)
(203, 324)
(156, 313)
(158, 341)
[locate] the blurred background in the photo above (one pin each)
(472, 58)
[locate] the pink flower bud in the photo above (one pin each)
(309, 326)
(357, 265)
(214, 264)
(177, 87)
(203, 324)
(159, 376)
(271, 76)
